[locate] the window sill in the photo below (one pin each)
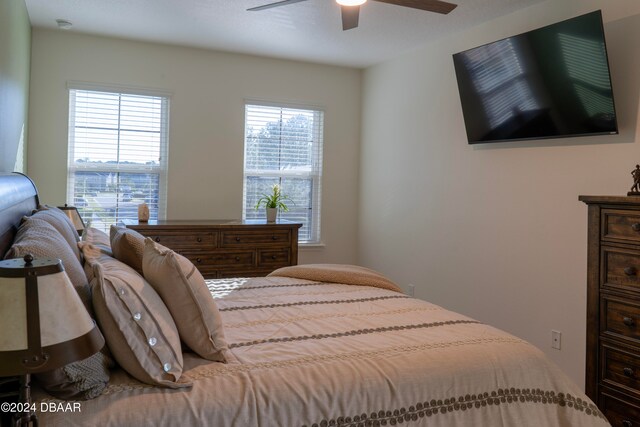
(311, 246)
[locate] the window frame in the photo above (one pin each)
(161, 169)
(315, 175)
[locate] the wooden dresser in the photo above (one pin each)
(613, 307)
(227, 248)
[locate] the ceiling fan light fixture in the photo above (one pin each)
(351, 2)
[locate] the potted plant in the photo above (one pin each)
(273, 202)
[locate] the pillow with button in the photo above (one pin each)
(136, 324)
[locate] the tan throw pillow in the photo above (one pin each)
(97, 238)
(94, 243)
(62, 224)
(127, 246)
(183, 290)
(136, 324)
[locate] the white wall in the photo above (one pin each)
(15, 48)
(496, 231)
(206, 122)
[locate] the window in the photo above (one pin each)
(284, 146)
(117, 155)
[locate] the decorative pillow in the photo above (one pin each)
(62, 224)
(87, 378)
(82, 380)
(183, 290)
(127, 246)
(97, 238)
(136, 324)
(40, 239)
(94, 243)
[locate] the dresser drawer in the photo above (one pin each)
(240, 238)
(620, 368)
(619, 412)
(621, 225)
(620, 318)
(621, 268)
(177, 240)
(221, 259)
(274, 257)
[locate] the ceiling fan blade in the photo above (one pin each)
(350, 16)
(276, 4)
(436, 6)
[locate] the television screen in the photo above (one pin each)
(547, 83)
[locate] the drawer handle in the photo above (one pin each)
(237, 239)
(273, 257)
(237, 258)
(628, 321)
(274, 237)
(630, 271)
(628, 372)
(199, 239)
(158, 239)
(636, 226)
(198, 260)
(627, 423)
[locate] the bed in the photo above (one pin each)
(333, 346)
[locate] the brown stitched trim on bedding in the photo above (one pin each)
(327, 316)
(226, 287)
(292, 304)
(462, 403)
(354, 332)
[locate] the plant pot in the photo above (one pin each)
(272, 213)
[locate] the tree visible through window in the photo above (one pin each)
(284, 146)
(117, 155)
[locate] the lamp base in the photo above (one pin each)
(26, 417)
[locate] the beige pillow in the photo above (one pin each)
(127, 246)
(136, 324)
(62, 224)
(97, 238)
(94, 243)
(183, 290)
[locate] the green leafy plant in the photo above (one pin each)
(274, 200)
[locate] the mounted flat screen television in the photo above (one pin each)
(552, 82)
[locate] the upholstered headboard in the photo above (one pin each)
(18, 197)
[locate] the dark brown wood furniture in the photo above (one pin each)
(227, 248)
(613, 307)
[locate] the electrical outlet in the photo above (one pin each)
(412, 290)
(556, 338)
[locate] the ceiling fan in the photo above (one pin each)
(351, 8)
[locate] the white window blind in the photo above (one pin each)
(117, 155)
(284, 146)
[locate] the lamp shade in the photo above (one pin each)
(45, 325)
(72, 213)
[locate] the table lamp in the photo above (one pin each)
(74, 216)
(44, 324)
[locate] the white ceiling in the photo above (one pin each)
(307, 31)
